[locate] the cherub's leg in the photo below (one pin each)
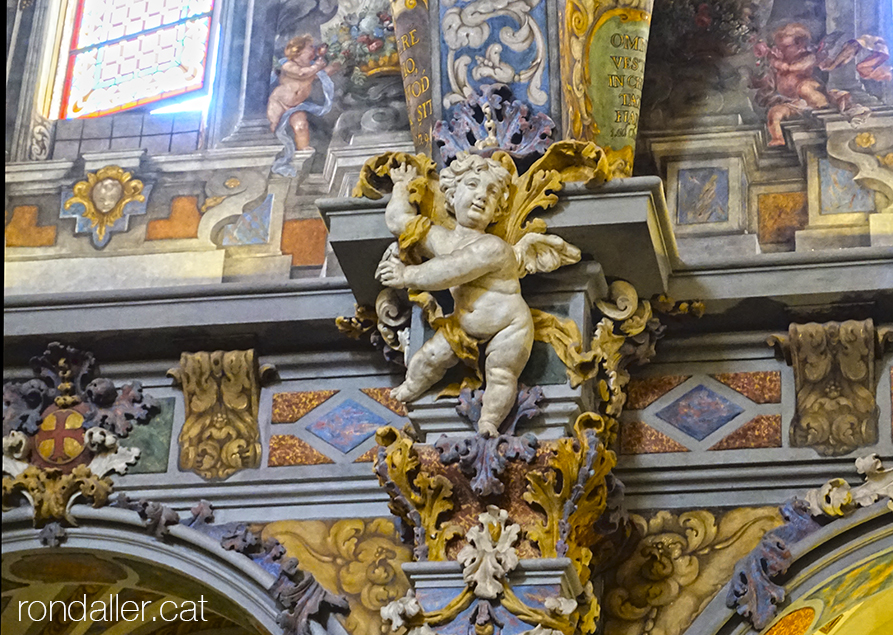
(777, 114)
(275, 108)
(426, 368)
(507, 355)
(813, 94)
(299, 124)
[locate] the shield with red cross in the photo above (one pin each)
(59, 443)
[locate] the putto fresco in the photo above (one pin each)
(791, 85)
(305, 63)
(764, 61)
(329, 58)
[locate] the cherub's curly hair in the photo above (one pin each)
(452, 175)
(297, 44)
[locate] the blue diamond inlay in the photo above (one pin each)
(347, 425)
(700, 412)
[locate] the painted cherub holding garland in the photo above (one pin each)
(482, 272)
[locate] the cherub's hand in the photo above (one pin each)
(391, 273)
(403, 174)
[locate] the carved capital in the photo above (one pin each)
(221, 389)
(556, 495)
(834, 373)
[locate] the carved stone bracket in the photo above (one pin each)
(222, 390)
(834, 373)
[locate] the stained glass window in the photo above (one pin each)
(126, 53)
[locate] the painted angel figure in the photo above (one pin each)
(482, 272)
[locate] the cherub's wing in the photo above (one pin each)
(536, 189)
(540, 253)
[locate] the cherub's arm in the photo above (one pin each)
(446, 271)
(400, 211)
(805, 63)
(296, 71)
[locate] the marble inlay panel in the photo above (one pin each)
(700, 412)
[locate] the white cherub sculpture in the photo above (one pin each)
(482, 272)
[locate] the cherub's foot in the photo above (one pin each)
(405, 393)
(776, 142)
(487, 429)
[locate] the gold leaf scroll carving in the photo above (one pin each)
(420, 499)
(50, 492)
(357, 559)
(221, 390)
(679, 564)
(834, 374)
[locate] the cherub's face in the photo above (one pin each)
(791, 42)
(106, 194)
(475, 200)
(306, 55)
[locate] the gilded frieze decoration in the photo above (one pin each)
(102, 204)
(678, 564)
(63, 431)
(358, 560)
(835, 380)
(221, 390)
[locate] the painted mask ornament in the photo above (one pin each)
(103, 203)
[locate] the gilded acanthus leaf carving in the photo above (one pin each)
(51, 493)
(834, 373)
(419, 498)
(221, 391)
(572, 492)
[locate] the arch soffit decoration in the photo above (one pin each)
(189, 552)
(816, 559)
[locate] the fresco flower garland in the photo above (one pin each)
(365, 43)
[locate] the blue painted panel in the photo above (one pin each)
(347, 425)
(703, 196)
(486, 32)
